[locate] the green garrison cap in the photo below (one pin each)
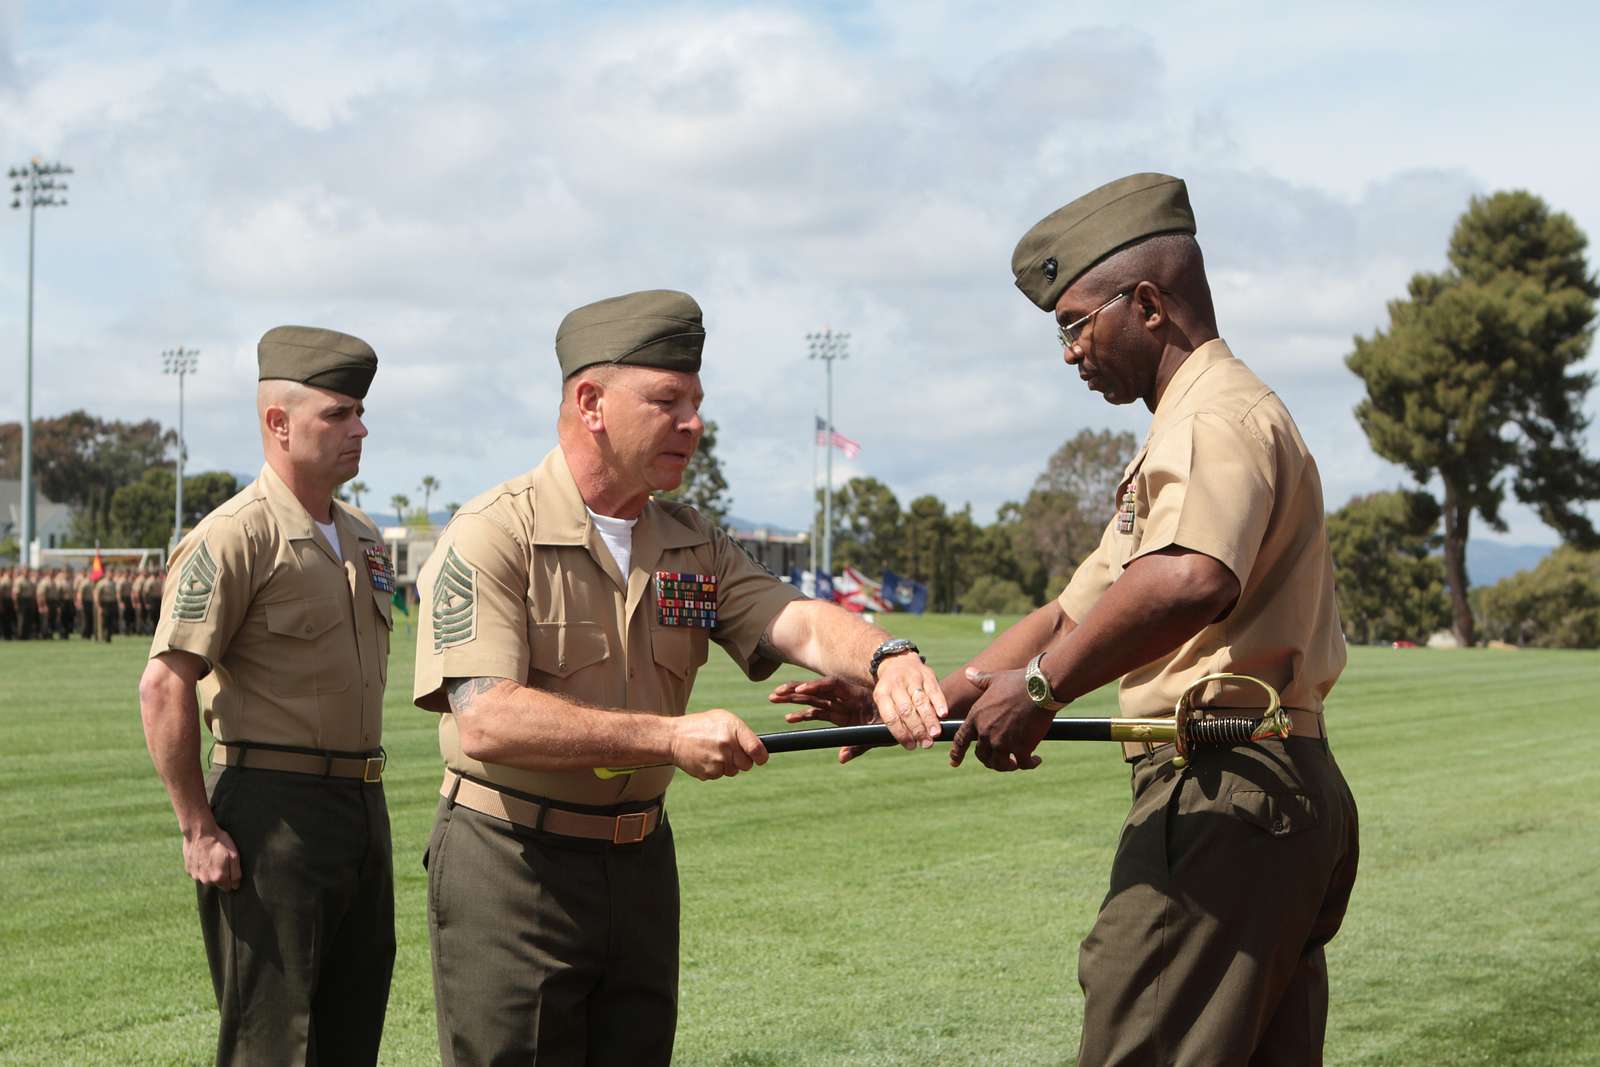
(323, 358)
(1063, 245)
(655, 328)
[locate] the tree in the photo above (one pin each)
(141, 512)
(1062, 519)
(430, 485)
(1389, 583)
(82, 460)
(996, 596)
(1554, 605)
(400, 502)
(356, 488)
(1474, 377)
(703, 487)
(866, 527)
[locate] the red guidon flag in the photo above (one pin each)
(97, 569)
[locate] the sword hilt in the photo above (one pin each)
(1225, 729)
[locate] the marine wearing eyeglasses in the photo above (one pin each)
(1214, 558)
(1232, 873)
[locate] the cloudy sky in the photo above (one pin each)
(446, 179)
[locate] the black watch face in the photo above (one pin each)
(1037, 689)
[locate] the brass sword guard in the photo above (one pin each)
(1274, 720)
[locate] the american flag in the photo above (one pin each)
(851, 449)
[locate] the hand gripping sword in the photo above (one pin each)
(1189, 727)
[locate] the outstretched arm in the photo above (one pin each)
(831, 641)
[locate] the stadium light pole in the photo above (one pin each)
(828, 346)
(34, 184)
(182, 362)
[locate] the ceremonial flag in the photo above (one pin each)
(817, 586)
(851, 449)
(905, 594)
(857, 592)
(97, 569)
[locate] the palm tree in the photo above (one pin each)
(430, 485)
(400, 502)
(356, 488)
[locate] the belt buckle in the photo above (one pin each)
(373, 771)
(636, 821)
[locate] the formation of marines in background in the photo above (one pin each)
(44, 604)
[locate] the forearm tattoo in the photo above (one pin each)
(461, 692)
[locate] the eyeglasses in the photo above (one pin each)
(1068, 335)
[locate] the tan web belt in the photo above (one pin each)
(1301, 724)
(628, 828)
(368, 769)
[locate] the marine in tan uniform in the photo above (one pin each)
(125, 600)
(1233, 872)
(65, 615)
(83, 602)
(279, 613)
(25, 593)
(150, 600)
(49, 605)
(565, 614)
(105, 607)
(8, 607)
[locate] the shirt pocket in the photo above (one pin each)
(679, 649)
(302, 622)
(562, 649)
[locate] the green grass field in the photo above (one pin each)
(889, 912)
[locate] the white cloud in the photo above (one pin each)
(449, 181)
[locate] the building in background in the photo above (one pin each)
(52, 522)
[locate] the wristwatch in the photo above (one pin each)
(1039, 687)
(892, 647)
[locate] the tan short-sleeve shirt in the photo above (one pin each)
(522, 587)
(296, 641)
(1225, 472)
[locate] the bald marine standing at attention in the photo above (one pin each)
(277, 612)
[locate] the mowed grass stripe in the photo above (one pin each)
(888, 912)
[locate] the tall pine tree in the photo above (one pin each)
(1474, 381)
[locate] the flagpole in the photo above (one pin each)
(812, 504)
(828, 346)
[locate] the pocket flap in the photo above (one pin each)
(385, 605)
(563, 648)
(304, 619)
(679, 649)
(1279, 814)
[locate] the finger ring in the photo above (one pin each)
(917, 690)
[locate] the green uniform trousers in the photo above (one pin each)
(1230, 877)
(301, 953)
(551, 951)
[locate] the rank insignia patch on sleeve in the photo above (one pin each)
(455, 603)
(684, 599)
(380, 569)
(196, 583)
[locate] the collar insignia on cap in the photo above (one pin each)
(1049, 268)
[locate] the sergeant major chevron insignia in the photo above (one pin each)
(196, 583)
(455, 603)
